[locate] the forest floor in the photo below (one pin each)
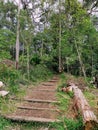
(41, 103)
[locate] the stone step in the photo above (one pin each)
(47, 87)
(42, 101)
(30, 119)
(38, 105)
(35, 108)
(46, 90)
(36, 113)
(52, 81)
(35, 100)
(42, 95)
(45, 84)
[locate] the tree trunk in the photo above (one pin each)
(28, 60)
(42, 47)
(60, 61)
(67, 64)
(80, 60)
(17, 37)
(92, 55)
(28, 56)
(80, 103)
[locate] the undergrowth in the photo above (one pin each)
(8, 125)
(68, 124)
(65, 100)
(40, 73)
(12, 78)
(6, 105)
(9, 76)
(4, 124)
(91, 98)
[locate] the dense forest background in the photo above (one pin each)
(48, 54)
(40, 37)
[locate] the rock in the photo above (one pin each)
(46, 129)
(3, 93)
(1, 84)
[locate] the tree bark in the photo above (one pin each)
(28, 56)
(28, 60)
(81, 104)
(60, 61)
(80, 60)
(17, 38)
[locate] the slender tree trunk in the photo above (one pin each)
(67, 64)
(17, 37)
(28, 56)
(92, 73)
(60, 61)
(42, 46)
(80, 60)
(80, 71)
(28, 61)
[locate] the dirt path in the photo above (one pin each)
(39, 104)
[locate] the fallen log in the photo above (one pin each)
(80, 103)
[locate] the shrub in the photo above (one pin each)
(4, 123)
(40, 72)
(9, 76)
(68, 124)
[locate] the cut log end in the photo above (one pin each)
(67, 89)
(90, 125)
